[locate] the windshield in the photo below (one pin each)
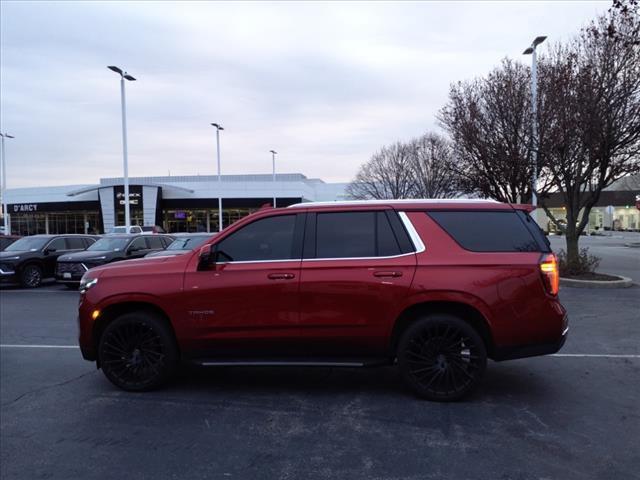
(109, 244)
(27, 244)
(188, 243)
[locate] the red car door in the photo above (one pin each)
(247, 302)
(355, 271)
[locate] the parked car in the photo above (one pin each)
(30, 260)
(133, 229)
(152, 229)
(6, 240)
(425, 285)
(182, 244)
(110, 248)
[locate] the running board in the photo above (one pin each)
(347, 363)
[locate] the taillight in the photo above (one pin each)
(550, 273)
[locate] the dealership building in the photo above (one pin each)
(190, 203)
(176, 203)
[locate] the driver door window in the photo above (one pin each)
(269, 239)
(138, 247)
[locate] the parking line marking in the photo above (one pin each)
(596, 355)
(40, 346)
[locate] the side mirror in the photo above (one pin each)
(49, 250)
(205, 257)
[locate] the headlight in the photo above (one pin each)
(12, 258)
(96, 258)
(87, 283)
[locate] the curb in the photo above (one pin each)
(624, 282)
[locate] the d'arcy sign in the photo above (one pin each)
(25, 207)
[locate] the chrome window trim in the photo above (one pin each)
(413, 234)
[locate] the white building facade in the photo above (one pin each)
(176, 203)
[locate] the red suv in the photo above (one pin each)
(434, 286)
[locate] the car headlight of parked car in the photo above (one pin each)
(17, 257)
(86, 283)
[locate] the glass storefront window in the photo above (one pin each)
(201, 220)
(55, 223)
(28, 224)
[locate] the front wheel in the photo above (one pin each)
(441, 357)
(137, 352)
(31, 276)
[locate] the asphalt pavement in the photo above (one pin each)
(573, 416)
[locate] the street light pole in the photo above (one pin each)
(273, 161)
(124, 76)
(218, 128)
(534, 113)
(3, 187)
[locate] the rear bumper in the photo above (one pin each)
(532, 350)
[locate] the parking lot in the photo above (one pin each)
(575, 415)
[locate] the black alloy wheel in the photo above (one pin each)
(137, 352)
(441, 357)
(31, 276)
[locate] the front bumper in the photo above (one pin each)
(532, 350)
(8, 274)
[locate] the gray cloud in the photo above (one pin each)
(325, 84)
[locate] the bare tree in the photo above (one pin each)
(589, 118)
(432, 164)
(387, 175)
(489, 122)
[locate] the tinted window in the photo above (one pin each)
(57, 244)
(75, 243)
(188, 243)
(345, 234)
(138, 244)
(387, 242)
(89, 241)
(155, 243)
(267, 239)
(487, 231)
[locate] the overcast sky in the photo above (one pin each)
(324, 84)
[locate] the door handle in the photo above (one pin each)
(387, 274)
(280, 276)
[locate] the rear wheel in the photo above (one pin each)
(441, 357)
(137, 352)
(31, 276)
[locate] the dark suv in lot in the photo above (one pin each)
(435, 287)
(29, 260)
(110, 248)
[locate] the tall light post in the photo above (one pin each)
(273, 161)
(124, 76)
(3, 187)
(218, 128)
(534, 113)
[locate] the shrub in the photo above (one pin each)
(586, 263)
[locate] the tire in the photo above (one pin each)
(441, 357)
(31, 276)
(137, 352)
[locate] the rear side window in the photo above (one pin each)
(75, 243)
(269, 238)
(155, 243)
(481, 231)
(355, 235)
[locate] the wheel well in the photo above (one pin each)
(110, 313)
(462, 310)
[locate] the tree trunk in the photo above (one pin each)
(573, 250)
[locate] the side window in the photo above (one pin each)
(167, 241)
(266, 239)
(387, 244)
(138, 244)
(482, 231)
(88, 242)
(345, 234)
(75, 243)
(57, 244)
(155, 243)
